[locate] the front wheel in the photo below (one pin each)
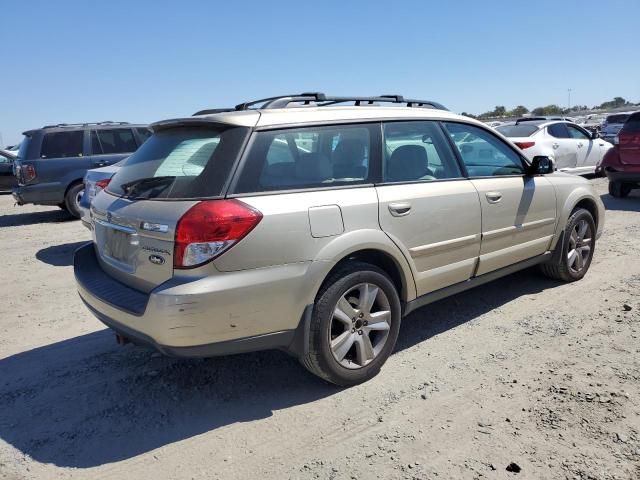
(354, 325)
(576, 251)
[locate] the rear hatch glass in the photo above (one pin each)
(617, 118)
(517, 130)
(180, 163)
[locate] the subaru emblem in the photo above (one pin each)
(156, 259)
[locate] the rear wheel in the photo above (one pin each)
(576, 250)
(354, 325)
(619, 189)
(72, 199)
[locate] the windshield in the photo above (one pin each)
(180, 163)
(517, 130)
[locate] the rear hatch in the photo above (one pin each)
(136, 216)
(629, 141)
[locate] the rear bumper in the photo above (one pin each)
(627, 177)
(39, 194)
(232, 312)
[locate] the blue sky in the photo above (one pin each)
(141, 61)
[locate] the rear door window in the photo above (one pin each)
(110, 141)
(180, 163)
(577, 133)
(312, 157)
(62, 144)
(559, 130)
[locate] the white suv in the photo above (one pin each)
(316, 228)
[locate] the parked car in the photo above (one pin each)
(7, 179)
(573, 149)
(622, 163)
(94, 181)
(592, 122)
(53, 160)
(205, 245)
(612, 125)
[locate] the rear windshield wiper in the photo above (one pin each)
(149, 182)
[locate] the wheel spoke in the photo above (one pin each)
(579, 261)
(582, 229)
(572, 257)
(346, 308)
(342, 344)
(364, 349)
(341, 316)
(383, 316)
(573, 239)
(368, 295)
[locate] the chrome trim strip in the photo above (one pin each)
(518, 228)
(443, 246)
(115, 226)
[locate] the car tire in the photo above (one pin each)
(343, 347)
(72, 199)
(619, 189)
(62, 206)
(572, 261)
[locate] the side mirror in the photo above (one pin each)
(595, 135)
(541, 165)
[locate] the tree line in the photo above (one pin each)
(520, 110)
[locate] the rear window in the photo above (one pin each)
(180, 163)
(617, 118)
(144, 134)
(517, 130)
(24, 147)
(312, 157)
(632, 125)
(62, 144)
(110, 141)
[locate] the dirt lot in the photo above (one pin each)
(523, 370)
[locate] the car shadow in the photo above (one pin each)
(32, 218)
(628, 204)
(59, 255)
(84, 402)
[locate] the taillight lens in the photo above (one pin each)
(26, 173)
(524, 145)
(102, 184)
(210, 228)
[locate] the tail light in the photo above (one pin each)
(102, 184)
(26, 173)
(209, 229)
(524, 145)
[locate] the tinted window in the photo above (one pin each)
(621, 118)
(577, 133)
(483, 153)
(306, 158)
(62, 144)
(180, 163)
(559, 130)
(517, 130)
(143, 133)
(415, 151)
(119, 140)
(632, 125)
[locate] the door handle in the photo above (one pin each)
(580, 145)
(555, 145)
(493, 197)
(400, 209)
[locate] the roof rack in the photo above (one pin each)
(63, 125)
(211, 111)
(322, 100)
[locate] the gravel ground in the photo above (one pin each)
(521, 378)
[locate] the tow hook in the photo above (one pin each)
(121, 340)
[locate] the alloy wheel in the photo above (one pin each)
(360, 325)
(580, 246)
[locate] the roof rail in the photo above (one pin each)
(211, 111)
(322, 100)
(106, 122)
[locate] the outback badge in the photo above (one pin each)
(156, 259)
